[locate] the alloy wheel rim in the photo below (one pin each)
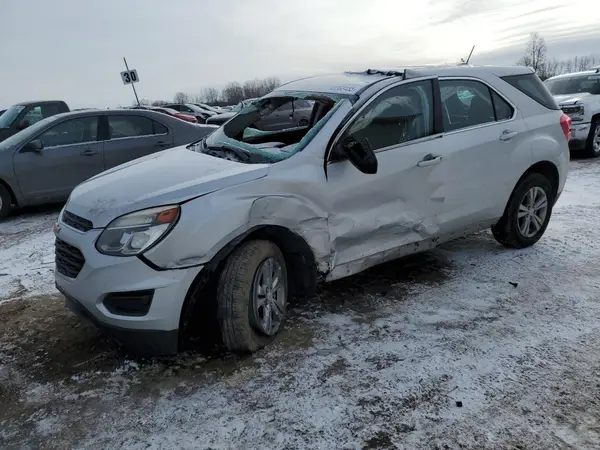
(268, 297)
(596, 141)
(532, 212)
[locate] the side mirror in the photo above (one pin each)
(34, 146)
(23, 124)
(360, 154)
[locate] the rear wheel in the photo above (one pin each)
(592, 146)
(5, 202)
(527, 213)
(252, 296)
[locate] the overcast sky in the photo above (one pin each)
(73, 49)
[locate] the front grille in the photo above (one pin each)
(74, 221)
(69, 260)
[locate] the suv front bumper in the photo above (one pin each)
(151, 330)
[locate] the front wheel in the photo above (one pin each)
(252, 296)
(527, 213)
(592, 145)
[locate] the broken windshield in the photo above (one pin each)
(273, 128)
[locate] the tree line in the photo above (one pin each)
(536, 57)
(231, 94)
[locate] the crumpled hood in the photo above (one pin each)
(571, 99)
(168, 177)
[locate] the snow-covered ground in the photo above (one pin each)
(469, 346)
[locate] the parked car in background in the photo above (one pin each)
(214, 109)
(390, 163)
(220, 119)
(44, 162)
(20, 116)
(170, 112)
(199, 113)
(578, 95)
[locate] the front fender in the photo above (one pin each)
(209, 223)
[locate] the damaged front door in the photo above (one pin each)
(381, 216)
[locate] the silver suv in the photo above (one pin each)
(391, 163)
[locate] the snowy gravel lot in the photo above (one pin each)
(470, 346)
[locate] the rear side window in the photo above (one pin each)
(129, 126)
(159, 128)
(502, 109)
(530, 85)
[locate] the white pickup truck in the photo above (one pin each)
(578, 95)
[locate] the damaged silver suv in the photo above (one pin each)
(390, 163)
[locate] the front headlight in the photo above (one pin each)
(136, 232)
(574, 112)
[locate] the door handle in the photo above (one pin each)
(507, 135)
(429, 160)
(161, 144)
(89, 152)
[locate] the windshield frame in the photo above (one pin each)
(12, 112)
(220, 138)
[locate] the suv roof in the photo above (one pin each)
(592, 71)
(39, 102)
(352, 83)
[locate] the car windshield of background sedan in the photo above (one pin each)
(574, 85)
(28, 133)
(271, 129)
(10, 115)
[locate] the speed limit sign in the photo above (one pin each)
(129, 76)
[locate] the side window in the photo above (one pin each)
(159, 128)
(33, 115)
(399, 115)
(129, 126)
(502, 109)
(71, 132)
(465, 103)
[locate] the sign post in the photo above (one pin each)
(130, 77)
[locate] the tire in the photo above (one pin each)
(237, 286)
(5, 202)
(507, 231)
(592, 145)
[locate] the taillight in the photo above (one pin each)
(565, 124)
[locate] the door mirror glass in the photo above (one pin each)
(360, 154)
(23, 124)
(34, 146)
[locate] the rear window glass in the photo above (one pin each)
(530, 85)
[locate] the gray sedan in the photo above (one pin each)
(44, 162)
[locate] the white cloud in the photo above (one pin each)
(72, 49)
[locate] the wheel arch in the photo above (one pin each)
(13, 197)
(547, 169)
(299, 258)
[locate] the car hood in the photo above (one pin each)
(164, 178)
(571, 99)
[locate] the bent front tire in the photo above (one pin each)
(252, 296)
(527, 214)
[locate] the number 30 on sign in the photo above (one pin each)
(129, 76)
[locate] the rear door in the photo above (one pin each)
(71, 155)
(131, 136)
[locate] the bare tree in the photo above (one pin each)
(233, 93)
(181, 97)
(159, 103)
(210, 95)
(269, 84)
(535, 54)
